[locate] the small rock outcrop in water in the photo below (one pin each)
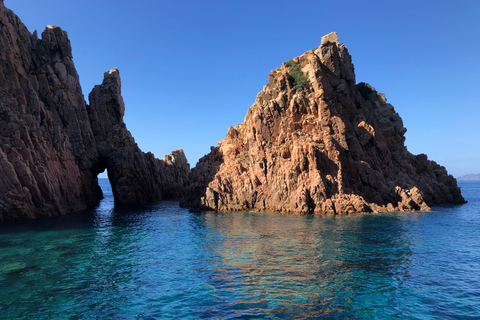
(53, 145)
(316, 142)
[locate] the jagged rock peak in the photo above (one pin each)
(53, 145)
(314, 141)
(331, 37)
(114, 71)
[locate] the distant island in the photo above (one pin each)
(470, 176)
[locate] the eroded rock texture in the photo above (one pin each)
(136, 177)
(331, 147)
(53, 145)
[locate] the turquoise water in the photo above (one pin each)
(164, 262)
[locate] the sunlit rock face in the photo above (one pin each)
(53, 145)
(316, 142)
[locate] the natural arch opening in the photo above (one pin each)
(107, 202)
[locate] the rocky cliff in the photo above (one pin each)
(314, 141)
(53, 145)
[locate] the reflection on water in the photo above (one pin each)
(104, 213)
(293, 265)
(162, 261)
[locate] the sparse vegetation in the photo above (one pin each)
(300, 80)
(365, 89)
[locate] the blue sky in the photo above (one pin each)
(191, 69)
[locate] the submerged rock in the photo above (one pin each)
(314, 141)
(53, 145)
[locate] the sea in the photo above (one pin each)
(161, 261)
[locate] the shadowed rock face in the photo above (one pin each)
(136, 177)
(53, 145)
(331, 147)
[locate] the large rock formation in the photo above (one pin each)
(53, 145)
(316, 142)
(135, 177)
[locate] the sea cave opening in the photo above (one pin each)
(104, 213)
(107, 203)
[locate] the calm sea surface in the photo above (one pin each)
(164, 262)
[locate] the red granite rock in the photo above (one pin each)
(53, 145)
(331, 146)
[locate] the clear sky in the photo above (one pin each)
(190, 69)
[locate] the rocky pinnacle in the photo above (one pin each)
(315, 141)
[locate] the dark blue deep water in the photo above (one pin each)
(165, 262)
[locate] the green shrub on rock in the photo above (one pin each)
(300, 80)
(365, 89)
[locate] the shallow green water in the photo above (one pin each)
(162, 261)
